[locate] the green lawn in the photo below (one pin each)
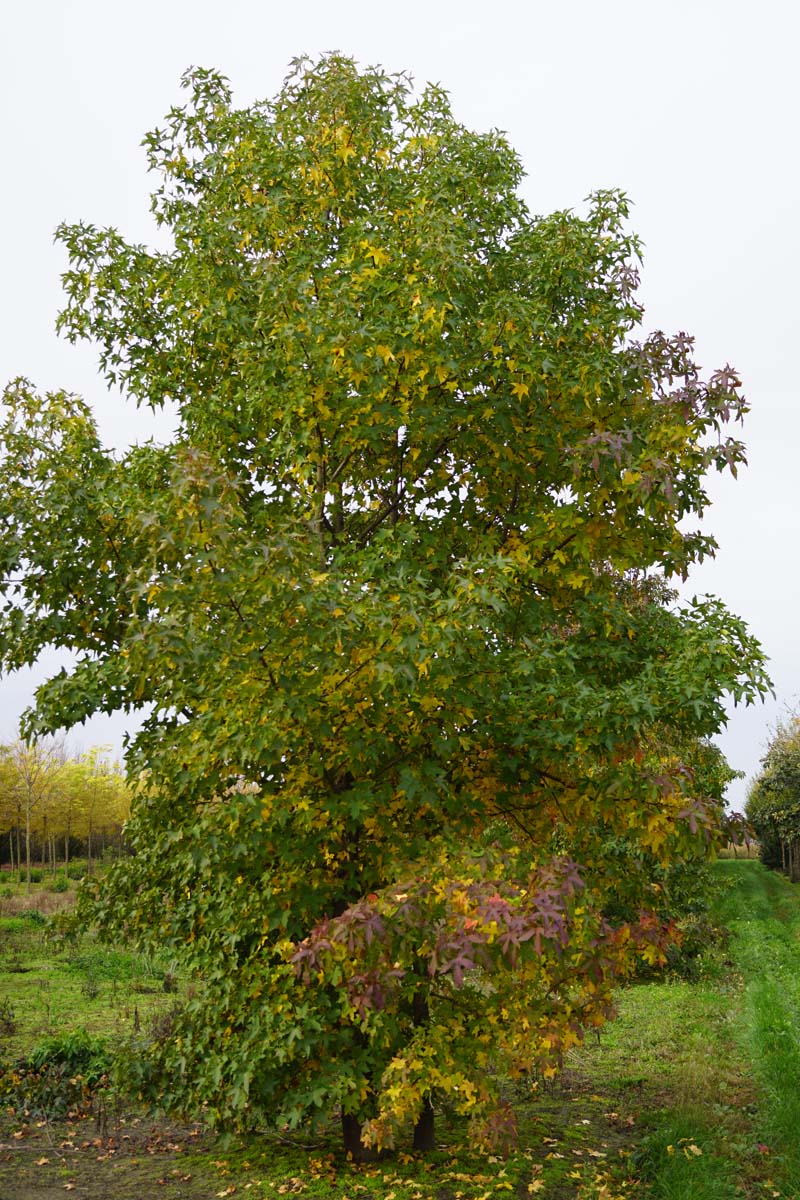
(49, 985)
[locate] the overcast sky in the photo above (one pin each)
(690, 107)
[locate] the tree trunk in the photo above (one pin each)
(351, 1138)
(424, 1128)
(27, 850)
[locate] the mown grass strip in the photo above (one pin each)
(712, 1064)
(762, 909)
(679, 1160)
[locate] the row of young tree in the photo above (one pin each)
(54, 803)
(773, 802)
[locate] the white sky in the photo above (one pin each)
(689, 106)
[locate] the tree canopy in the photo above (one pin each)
(773, 801)
(394, 599)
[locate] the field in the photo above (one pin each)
(689, 1093)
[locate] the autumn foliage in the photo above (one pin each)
(393, 595)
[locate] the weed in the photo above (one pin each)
(90, 988)
(8, 1017)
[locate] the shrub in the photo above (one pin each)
(59, 884)
(59, 1076)
(699, 934)
(79, 1052)
(33, 916)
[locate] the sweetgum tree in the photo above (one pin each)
(384, 598)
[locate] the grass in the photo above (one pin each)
(708, 1069)
(51, 985)
(689, 1095)
(764, 918)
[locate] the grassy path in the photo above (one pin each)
(763, 913)
(717, 1063)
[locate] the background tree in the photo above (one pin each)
(92, 802)
(378, 595)
(34, 768)
(55, 796)
(10, 809)
(773, 802)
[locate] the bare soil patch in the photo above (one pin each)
(139, 1160)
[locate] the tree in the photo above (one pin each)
(93, 798)
(32, 774)
(10, 809)
(773, 801)
(384, 595)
